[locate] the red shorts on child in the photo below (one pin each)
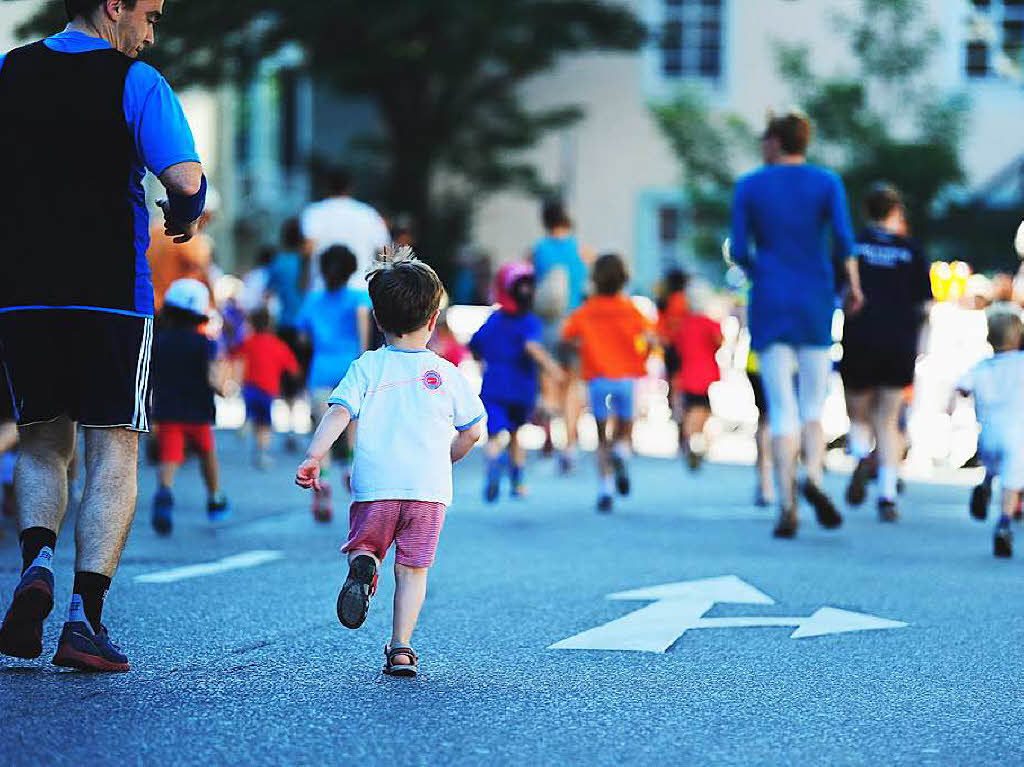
(172, 437)
(413, 526)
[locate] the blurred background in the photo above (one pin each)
(458, 117)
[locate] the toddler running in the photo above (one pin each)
(510, 346)
(613, 339)
(266, 359)
(409, 403)
(187, 373)
(997, 385)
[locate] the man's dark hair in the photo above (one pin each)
(337, 265)
(610, 274)
(676, 280)
(291, 234)
(260, 319)
(265, 255)
(793, 132)
(405, 292)
(553, 215)
(75, 8)
(882, 198)
(339, 182)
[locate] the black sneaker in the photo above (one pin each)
(694, 460)
(492, 484)
(21, 635)
(82, 648)
(359, 588)
(887, 511)
(857, 490)
(824, 509)
(621, 475)
(981, 499)
(786, 525)
(1002, 543)
(218, 509)
(604, 503)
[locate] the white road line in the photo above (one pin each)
(235, 562)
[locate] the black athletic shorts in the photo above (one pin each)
(6, 400)
(760, 398)
(691, 401)
(91, 366)
(869, 366)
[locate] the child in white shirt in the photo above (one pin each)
(409, 402)
(997, 385)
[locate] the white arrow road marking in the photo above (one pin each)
(680, 607)
(236, 562)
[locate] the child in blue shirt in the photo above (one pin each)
(509, 344)
(337, 323)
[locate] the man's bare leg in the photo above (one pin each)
(41, 475)
(108, 504)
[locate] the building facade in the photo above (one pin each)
(618, 173)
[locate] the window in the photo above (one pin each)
(691, 39)
(670, 236)
(994, 47)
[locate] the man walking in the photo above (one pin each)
(80, 122)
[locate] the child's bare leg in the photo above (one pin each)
(763, 438)
(517, 450)
(410, 591)
(693, 423)
(1011, 498)
(263, 437)
(167, 472)
(604, 460)
(211, 474)
(573, 408)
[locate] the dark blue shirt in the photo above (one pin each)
(181, 377)
(788, 211)
(510, 374)
(161, 136)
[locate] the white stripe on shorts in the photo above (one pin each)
(139, 420)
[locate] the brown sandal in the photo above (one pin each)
(400, 669)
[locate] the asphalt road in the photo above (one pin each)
(250, 665)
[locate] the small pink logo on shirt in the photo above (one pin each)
(432, 379)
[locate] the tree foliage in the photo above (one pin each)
(444, 76)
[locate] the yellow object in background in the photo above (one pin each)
(949, 280)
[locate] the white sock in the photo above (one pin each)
(44, 559)
(860, 441)
(888, 480)
(607, 485)
(76, 612)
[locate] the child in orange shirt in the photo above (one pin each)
(614, 340)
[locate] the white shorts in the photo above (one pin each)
(795, 383)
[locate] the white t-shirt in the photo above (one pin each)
(997, 384)
(348, 222)
(409, 405)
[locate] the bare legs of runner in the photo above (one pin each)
(111, 484)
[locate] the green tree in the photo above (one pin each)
(882, 120)
(444, 77)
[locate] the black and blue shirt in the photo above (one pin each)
(80, 123)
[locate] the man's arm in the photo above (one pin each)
(185, 187)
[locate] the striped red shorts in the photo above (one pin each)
(413, 526)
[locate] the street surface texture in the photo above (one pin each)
(242, 660)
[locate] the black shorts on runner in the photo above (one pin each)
(91, 366)
(692, 401)
(867, 367)
(6, 400)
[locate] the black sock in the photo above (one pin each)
(92, 588)
(33, 539)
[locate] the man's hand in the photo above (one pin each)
(180, 232)
(308, 474)
(854, 300)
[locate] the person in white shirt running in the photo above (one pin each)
(342, 220)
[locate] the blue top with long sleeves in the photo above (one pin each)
(788, 212)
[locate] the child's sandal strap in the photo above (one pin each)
(393, 651)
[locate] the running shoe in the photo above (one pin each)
(82, 648)
(622, 484)
(887, 511)
(981, 499)
(163, 507)
(218, 508)
(359, 588)
(604, 503)
(323, 509)
(492, 486)
(291, 445)
(824, 509)
(786, 525)
(1002, 542)
(762, 500)
(21, 634)
(566, 465)
(857, 490)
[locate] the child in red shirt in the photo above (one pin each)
(266, 358)
(696, 339)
